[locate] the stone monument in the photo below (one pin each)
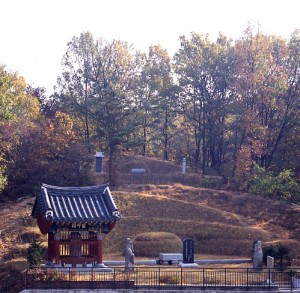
(183, 165)
(99, 157)
(188, 254)
(129, 255)
(270, 262)
(188, 250)
(258, 256)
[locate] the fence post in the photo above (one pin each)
(69, 278)
(181, 278)
(269, 277)
(159, 278)
(225, 278)
(247, 278)
(291, 276)
(135, 277)
(94, 278)
(115, 277)
(203, 279)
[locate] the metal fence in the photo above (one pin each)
(156, 278)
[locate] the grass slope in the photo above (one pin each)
(220, 222)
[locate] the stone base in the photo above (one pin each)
(188, 265)
(52, 264)
(101, 267)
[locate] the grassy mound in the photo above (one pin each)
(152, 243)
(220, 222)
(151, 165)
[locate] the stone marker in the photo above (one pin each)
(138, 170)
(183, 165)
(188, 254)
(258, 256)
(270, 262)
(129, 255)
(99, 156)
(188, 250)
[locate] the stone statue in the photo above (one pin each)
(129, 255)
(258, 256)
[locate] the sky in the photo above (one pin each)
(34, 33)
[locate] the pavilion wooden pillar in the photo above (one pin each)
(56, 247)
(50, 247)
(99, 247)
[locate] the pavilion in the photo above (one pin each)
(75, 219)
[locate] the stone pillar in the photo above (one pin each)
(129, 255)
(188, 250)
(56, 247)
(258, 256)
(99, 156)
(270, 262)
(99, 248)
(188, 254)
(183, 165)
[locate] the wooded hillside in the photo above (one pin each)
(230, 108)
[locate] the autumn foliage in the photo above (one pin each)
(35, 148)
(224, 106)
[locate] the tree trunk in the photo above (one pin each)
(144, 148)
(203, 164)
(166, 138)
(111, 166)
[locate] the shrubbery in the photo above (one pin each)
(34, 254)
(152, 243)
(282, 186)
(281, 254)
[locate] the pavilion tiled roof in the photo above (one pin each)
(76, 204)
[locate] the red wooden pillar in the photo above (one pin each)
(56, 247)
(50, 247)
(99, 247)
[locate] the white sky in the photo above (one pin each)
(34, 33)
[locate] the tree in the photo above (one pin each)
(18, 109)
(282, 186)
(156, 91)
(281, 254)
(116, 107)
(48, 152)
(76, 92)
(15, 103)
(46, 103)
(267, 89)
(285, 147)
(97, 83)
(34, 254)
(204, 72)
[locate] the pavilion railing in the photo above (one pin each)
(161, 278)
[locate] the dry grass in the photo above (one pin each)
(18, 229)
(221, 222)
(160, 172)
(152, 243)
(151, 165)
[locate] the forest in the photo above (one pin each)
(231, 108)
